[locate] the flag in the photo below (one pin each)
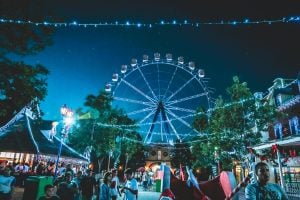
(192, 179)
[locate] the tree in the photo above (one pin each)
(20, 83)
(232, 127)
(104, 129)
(181, 155)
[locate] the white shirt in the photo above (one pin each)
(114, 190)
(132, 184)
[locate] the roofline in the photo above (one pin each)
(281, 142)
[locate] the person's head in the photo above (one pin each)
(7, 171)
(68, 177)
(49, 190)
(128, 173)
(262, 172)
(89, 172)
(69, 166)
(114, 172)
(107, 177)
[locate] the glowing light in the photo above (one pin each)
(54, 124)
(68, 121)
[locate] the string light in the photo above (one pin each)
(157, 143)
(246, 21)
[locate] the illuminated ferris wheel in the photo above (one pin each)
(162, 96)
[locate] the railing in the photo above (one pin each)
(293, 190)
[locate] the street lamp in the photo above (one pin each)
(67, 119)
(110, 153)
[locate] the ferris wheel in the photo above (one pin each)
(162, 96)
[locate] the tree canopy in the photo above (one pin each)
(100, 129)
(20, 83)
(232, 126)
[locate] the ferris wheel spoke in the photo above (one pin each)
(183, 86)
(173, 128)
(145, 118)
(187, 98)
(140, 111)
(138, 91)
(182, 120)
(161, 128)
(158, 78)
(152, 126)
(133, 101)
(147, 83)
(180, 109)
(170, 82)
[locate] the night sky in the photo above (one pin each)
(82, 60)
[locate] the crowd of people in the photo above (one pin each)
(86, 185)
(69, 184)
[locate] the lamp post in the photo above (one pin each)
(109, 155)
(67, 119)
(126, 160)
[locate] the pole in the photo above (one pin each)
(108, 162)
(57, 160)
(126, 161)
(280, 170)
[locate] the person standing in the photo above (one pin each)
(131, 186)
(114, 186)
(261, 189)
(88, 185)
(105, 190)
(6, 184)
(67, 190)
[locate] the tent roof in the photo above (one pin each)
(25, 135)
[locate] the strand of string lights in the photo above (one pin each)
(155, 143)
(247, 21)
